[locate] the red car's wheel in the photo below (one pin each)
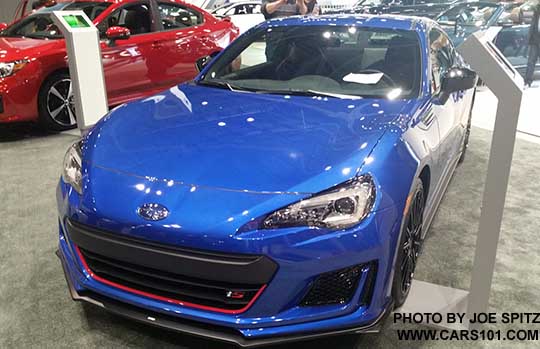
(56, 107)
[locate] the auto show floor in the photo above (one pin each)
(36, 310)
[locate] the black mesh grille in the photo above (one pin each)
(165, 284)
(336, 287)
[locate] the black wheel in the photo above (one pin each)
(465, 144)
(55, 103)
(409, 247)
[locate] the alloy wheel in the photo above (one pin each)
(60, 104)
(413, 241)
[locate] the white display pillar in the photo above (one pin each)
(85, 66)
(506, 83)
(508, 87)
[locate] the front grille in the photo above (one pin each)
(338, 287)
(173, 287)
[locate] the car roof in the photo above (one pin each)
(108, 1)
(379, 21)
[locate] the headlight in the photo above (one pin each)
(338, 208)
(72, 171)
(10, 68)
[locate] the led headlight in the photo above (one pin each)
(10, 68)
(72, 170)
(338, 208)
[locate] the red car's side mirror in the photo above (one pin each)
(3, 26)
(117, 33)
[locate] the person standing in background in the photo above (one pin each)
(534, 45)
(277, 9)
(313, 8)
(283, 8)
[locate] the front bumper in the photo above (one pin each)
(18, 99)
(301, 255)
(197, 329)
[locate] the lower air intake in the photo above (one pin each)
(338, 287)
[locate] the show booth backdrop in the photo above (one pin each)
(7, 10)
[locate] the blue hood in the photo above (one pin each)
(221, 139)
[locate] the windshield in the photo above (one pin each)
(40, 25)
(368, 3)
(330, 60)
(222, 10)
(477, 15)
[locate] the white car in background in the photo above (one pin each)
(244, 15)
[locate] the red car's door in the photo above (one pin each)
(128, 63)
(186, 36)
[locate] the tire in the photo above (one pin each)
(465, 144)
(409, 247)
(55, 103)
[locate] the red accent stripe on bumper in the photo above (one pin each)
(165, 299)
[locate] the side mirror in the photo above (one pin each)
(3, 26)
(203, 61)
(457, 27)
(458, 23)
(457, 79)
(505, 23)
(117, 33)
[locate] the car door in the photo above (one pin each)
(127, 64)
(442, 58)
(184, 38)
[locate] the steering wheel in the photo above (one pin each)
(385, 77)
(51, 27)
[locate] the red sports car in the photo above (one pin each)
(147, 46)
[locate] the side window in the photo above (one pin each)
(241, 10)
(175, 16)
(441, 56)
(136, 18)
(256, 9)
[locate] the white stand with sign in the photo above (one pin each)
(506, 83)
(85, 67)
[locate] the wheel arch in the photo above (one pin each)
(425, 177)
(52, 73)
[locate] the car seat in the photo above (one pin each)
(137, 21)
(400, 61)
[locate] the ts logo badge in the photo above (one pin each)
(235, 294)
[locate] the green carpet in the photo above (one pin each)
(36, 311)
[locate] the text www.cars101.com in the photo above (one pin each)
(468, 335)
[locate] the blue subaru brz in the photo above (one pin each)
(284, 194)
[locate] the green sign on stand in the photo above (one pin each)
(76, 21)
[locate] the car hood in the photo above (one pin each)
(13, 48)
(237, 141)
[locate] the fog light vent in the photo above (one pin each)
(336, 287)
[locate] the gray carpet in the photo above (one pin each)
(36, 311)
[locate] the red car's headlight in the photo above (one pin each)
(10, 68)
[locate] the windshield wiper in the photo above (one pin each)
(41, 37)
(294, 92)
(224, 85)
